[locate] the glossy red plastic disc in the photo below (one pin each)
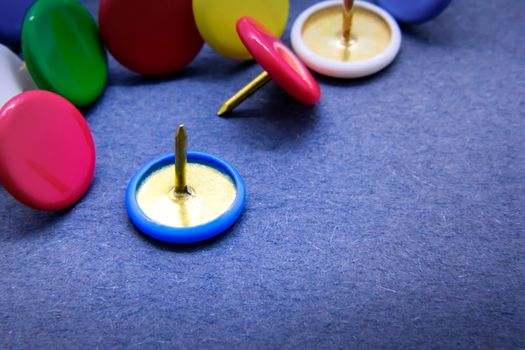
(279, 61)
(47, 154)
(150, 37)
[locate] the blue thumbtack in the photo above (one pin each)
(414, 11)
(163, 205)
(12, 13)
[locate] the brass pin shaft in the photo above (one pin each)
(244, 93)
(181, 143)
(348, 6)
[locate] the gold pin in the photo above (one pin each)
(244, 93)
(346, 39)
(348, 6)
(279, 63)
(181, 143)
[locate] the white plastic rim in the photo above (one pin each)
(338, 69)
(14, 75)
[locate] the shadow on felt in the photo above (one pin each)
(271, 118)
(29, 221)
(207, 66)
(120, 76)
(440, 31)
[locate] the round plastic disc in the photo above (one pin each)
(11, 17)
(150, 38)
(414, 11)
(317, 40)
(216, 21)
(15, 77)
(47, 155)
(215, 200)
(279, 61)
(63, 51)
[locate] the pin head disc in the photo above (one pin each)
(414, 11)
(63, 51)
(216, 22)
(213, 202)
(279, 61)
(15, 77)
(317, 39)
(150, 38)
(47, 154)
(11, 17)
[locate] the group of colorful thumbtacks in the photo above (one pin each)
(47, 154)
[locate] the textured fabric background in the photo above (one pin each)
(390, 215)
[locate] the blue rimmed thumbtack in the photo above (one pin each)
(185, 197)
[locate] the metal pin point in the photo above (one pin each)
(181, 143)
(244, 93)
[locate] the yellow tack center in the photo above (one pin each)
(322, 33)
(211, 194)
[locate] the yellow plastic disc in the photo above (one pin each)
(216, 22)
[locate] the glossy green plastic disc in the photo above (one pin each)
(63, 50)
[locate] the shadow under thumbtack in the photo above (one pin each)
(273, 119)
(29, 221)
(197, 70)
(424, 34)
(119, 76)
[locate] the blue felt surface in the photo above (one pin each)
(390, 215)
